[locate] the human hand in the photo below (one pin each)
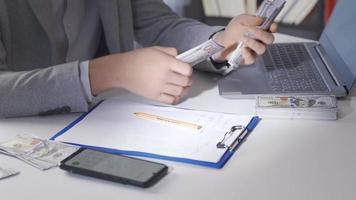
(152, 72)
(244, 29)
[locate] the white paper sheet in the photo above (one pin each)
(114, 125)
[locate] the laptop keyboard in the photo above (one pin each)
(292, 69)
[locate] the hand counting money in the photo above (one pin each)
(267, 11)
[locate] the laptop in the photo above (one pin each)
(327, 67)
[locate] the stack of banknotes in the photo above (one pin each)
(40, 153)
(320, 107)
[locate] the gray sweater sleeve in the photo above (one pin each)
(156, 24)
(52, 90)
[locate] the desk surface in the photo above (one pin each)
(282, 159)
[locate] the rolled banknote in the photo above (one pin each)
(200, 53)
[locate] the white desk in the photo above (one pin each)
(281, 159)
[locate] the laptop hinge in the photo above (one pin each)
(321, 54)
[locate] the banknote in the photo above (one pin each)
(40, 153)
(315, 101)
(200, 53)
(7, 172)
(5, 152)
(318, 107)
(52, 152)
(39, 164)
(20, 144)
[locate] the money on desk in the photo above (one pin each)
(40, 153)
(297, 107)
(6, 172)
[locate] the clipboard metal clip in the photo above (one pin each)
(242, 133)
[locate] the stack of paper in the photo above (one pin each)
(132, 128)
(42, 154)
(297, 107)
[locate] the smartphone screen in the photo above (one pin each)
(114, 167)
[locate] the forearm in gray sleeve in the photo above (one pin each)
(51, 90)
(84, 79)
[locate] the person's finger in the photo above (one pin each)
(256, 46)
(179, 98)
(173, 90)
(186, 91)
(273, 28)
(179, 79)
(166, 98)
(174, 64)
(181, 68)
(249, 57)
(168, 50)
(176, 100)
(250, 20)
(261, 35)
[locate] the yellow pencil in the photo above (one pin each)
(167, 120)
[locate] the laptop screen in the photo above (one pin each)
(339, 40)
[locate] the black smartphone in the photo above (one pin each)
(113, 167)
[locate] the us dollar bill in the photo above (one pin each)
(52, 152)
(39, 164)
(7, 172)
(39, 153)
(314, 101)
(20, 144)
(200, 53)
(317, 107)
(5, 152)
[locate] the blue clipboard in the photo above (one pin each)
(230, 150)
